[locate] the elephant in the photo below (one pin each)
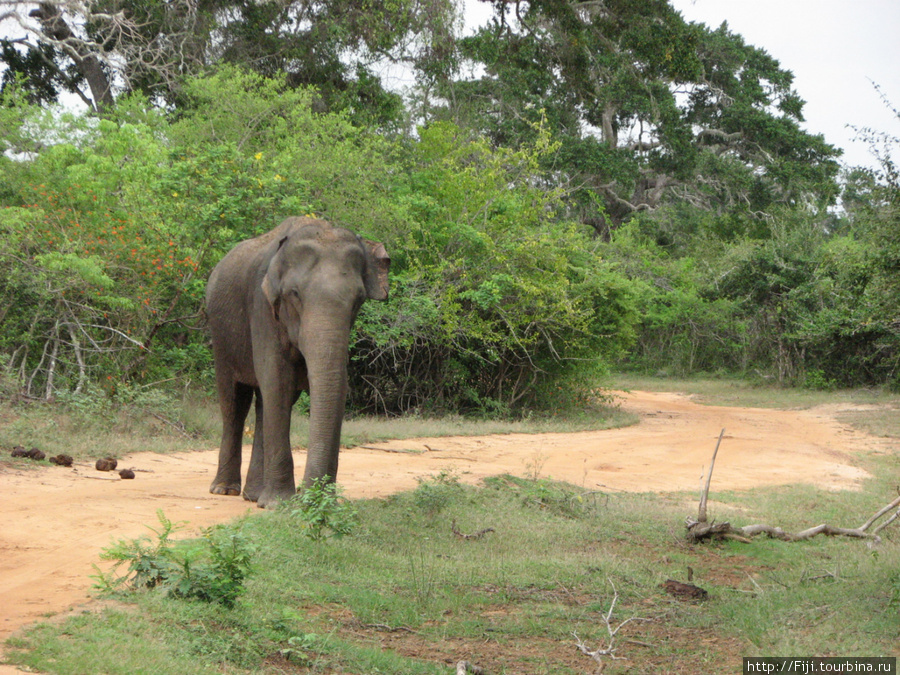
(280, 309)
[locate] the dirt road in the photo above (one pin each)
(56, 520)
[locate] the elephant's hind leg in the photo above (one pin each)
(234, 400)
(253, 486)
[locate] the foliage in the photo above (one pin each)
(803, 302)
(682, 328)
(648, 109)
(433, 495)
(323, 511)
(495, 298)
(213, 569)
(105, 49)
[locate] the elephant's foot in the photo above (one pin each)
(253, 488)
(270, 497)
(228, 489)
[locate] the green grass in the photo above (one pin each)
(91, 428)
(403, 594)
(733, 392)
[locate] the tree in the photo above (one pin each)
(99, 48)
(497, 303)
(105, 45)
(648, 108)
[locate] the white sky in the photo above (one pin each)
(836, 49)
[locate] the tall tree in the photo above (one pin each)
(648, 107)
(97, 48)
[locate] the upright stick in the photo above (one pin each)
(701, 517)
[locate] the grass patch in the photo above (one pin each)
(90, 428)
(362, 430)
(403, 594)
(728, 392)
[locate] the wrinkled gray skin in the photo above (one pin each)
(280, 309)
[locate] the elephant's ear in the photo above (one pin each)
(271, 283)
(377, 270)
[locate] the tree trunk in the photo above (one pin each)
(88, 64)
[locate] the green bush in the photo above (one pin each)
(496, 299)
(212, 569)
(323, 511)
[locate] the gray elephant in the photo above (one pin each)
(280, 310)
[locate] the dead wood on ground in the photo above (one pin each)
(700, 529)
(469, 537)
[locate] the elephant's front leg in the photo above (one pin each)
(278, 465)
(234, 401)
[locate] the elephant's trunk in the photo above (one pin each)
(326, 364)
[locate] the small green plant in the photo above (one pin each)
(215, 571)
(545, 494)
(147, 561)
(817, 380)
(212, 569)
(299, 648)
(324, 511)
(435, 493)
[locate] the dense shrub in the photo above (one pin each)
(497, 303)
(109, 235)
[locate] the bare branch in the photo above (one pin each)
(469, 537)
(704, 495)
(610, 650)
(699, 529)
(118, 49)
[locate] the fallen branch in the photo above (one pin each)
(610, 649)
(399, 452)
(177, 426)
(476, 535)
(390, 629)
(700, 529)
(464, 667)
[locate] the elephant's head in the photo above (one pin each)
(316, 281)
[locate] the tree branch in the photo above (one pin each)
(699, 529)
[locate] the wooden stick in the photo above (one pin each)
(868, 523)
(477, 535)
(704, 495)
(399, 452)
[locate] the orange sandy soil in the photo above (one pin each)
(56, 520)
